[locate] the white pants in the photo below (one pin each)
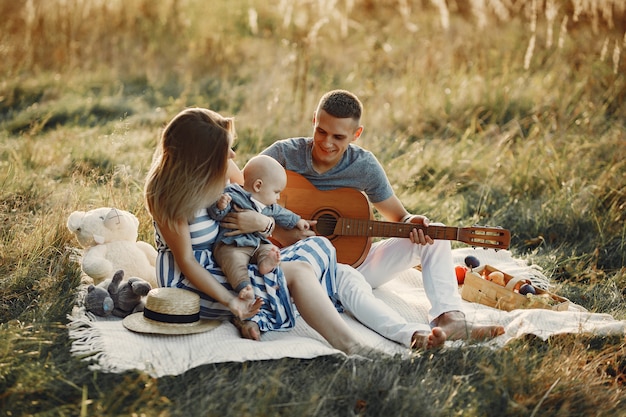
(385, 259)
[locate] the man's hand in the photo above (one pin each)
(417, 235)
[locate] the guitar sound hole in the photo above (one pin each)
(326, 224)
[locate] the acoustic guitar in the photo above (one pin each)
(345, 217)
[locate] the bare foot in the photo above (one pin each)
(423, 340)
(247, 293)
(456, 327)
(269, 261)
(247, 328)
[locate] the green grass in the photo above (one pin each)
(466, 133)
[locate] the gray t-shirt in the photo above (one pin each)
(358, 168)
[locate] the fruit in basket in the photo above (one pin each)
(527, 289)
(542, 298)
(472, 262)
(460, 271)
(496, 277)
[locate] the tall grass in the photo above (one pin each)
(501, 112)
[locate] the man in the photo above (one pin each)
(330, 160)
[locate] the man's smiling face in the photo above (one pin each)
(331, 137)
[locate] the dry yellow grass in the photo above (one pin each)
(502, 112)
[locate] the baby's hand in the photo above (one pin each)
(223, 201)
(303, 225)
(245, 308)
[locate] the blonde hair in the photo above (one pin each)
(189, 166)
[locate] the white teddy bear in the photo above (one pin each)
(109, 239)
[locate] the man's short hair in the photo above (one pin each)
(341, 104)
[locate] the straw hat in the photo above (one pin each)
(171, 311)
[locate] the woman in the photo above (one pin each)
(190, 168)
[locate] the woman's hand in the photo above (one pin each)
(244, 309)
(244, 221)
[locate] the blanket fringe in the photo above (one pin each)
(88, 345)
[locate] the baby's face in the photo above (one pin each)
(270, 190)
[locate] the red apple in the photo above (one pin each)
(460, 271)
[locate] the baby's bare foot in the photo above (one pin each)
(269, 261)
(456, 327)
(423, 340)
(247, 293)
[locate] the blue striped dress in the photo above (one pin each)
(278, 311)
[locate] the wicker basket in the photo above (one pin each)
(479, 290)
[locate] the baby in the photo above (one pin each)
(264, 179)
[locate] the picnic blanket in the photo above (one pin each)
(110, 347)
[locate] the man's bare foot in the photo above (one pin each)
(246, 293)
(456, 327)
(269, 261)
(423, 340)
(247, 328)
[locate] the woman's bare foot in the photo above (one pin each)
(456, 327)
(246, 293)
(247, 328)
(423, 340)
(269, 260)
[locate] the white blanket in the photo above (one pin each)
(110, 347)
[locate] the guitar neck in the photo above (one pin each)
(375, 228)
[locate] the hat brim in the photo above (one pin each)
(136, 322)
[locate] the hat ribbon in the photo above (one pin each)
(170, 318)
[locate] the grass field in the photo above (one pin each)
(503, 112)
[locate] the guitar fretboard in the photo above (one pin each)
(374, 228)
